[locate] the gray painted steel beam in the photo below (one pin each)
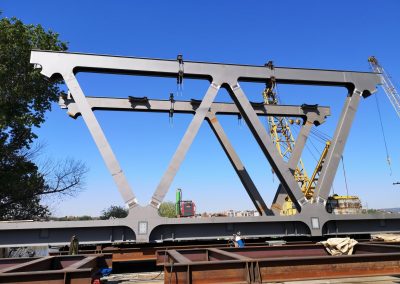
(53, 63)
(100, 140)
(184, 145)
(280, 168)
(336, 149)
(299, 145)
(237, 164)
(219, 108)
(176, 229)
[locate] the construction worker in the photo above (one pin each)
(239, 243)
(74, 246)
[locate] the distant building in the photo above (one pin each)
(242, 213)
(231, 213)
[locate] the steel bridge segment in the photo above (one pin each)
(54, 63)
(158, 228)
(312, 115)
(178, 229)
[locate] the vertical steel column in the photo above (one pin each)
(335, 151)
(237, 164)
(100, 140)
(293, 161)
(185, 144)
(260, 134)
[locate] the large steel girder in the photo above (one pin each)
(68, 64)
(143, 224)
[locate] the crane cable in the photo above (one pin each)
(345, 177)
(383, 134)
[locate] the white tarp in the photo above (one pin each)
(339, 246)
(386, 237)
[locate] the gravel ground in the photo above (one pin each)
(142, 277)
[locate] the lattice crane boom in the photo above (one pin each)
(283, 139)
(387, 84)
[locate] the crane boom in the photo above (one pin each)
(282, 137)
(387, 84)
(284, 141)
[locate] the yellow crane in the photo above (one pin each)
(283, 139)
(281, 134)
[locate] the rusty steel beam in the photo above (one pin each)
(145, 253)
(286, 263)
(74, 269)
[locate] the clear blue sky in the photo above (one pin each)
(309, 34)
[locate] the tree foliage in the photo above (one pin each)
(25, 96)
(167, 209)
(114, 212)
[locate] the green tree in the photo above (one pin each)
(25, 96)
(167, 209)
(114, 212)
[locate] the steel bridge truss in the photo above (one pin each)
(143, 223)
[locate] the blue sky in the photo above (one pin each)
(308, 34)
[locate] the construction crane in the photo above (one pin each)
(392, 95)
(282, 137)
(281, 134)
(387, 84)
